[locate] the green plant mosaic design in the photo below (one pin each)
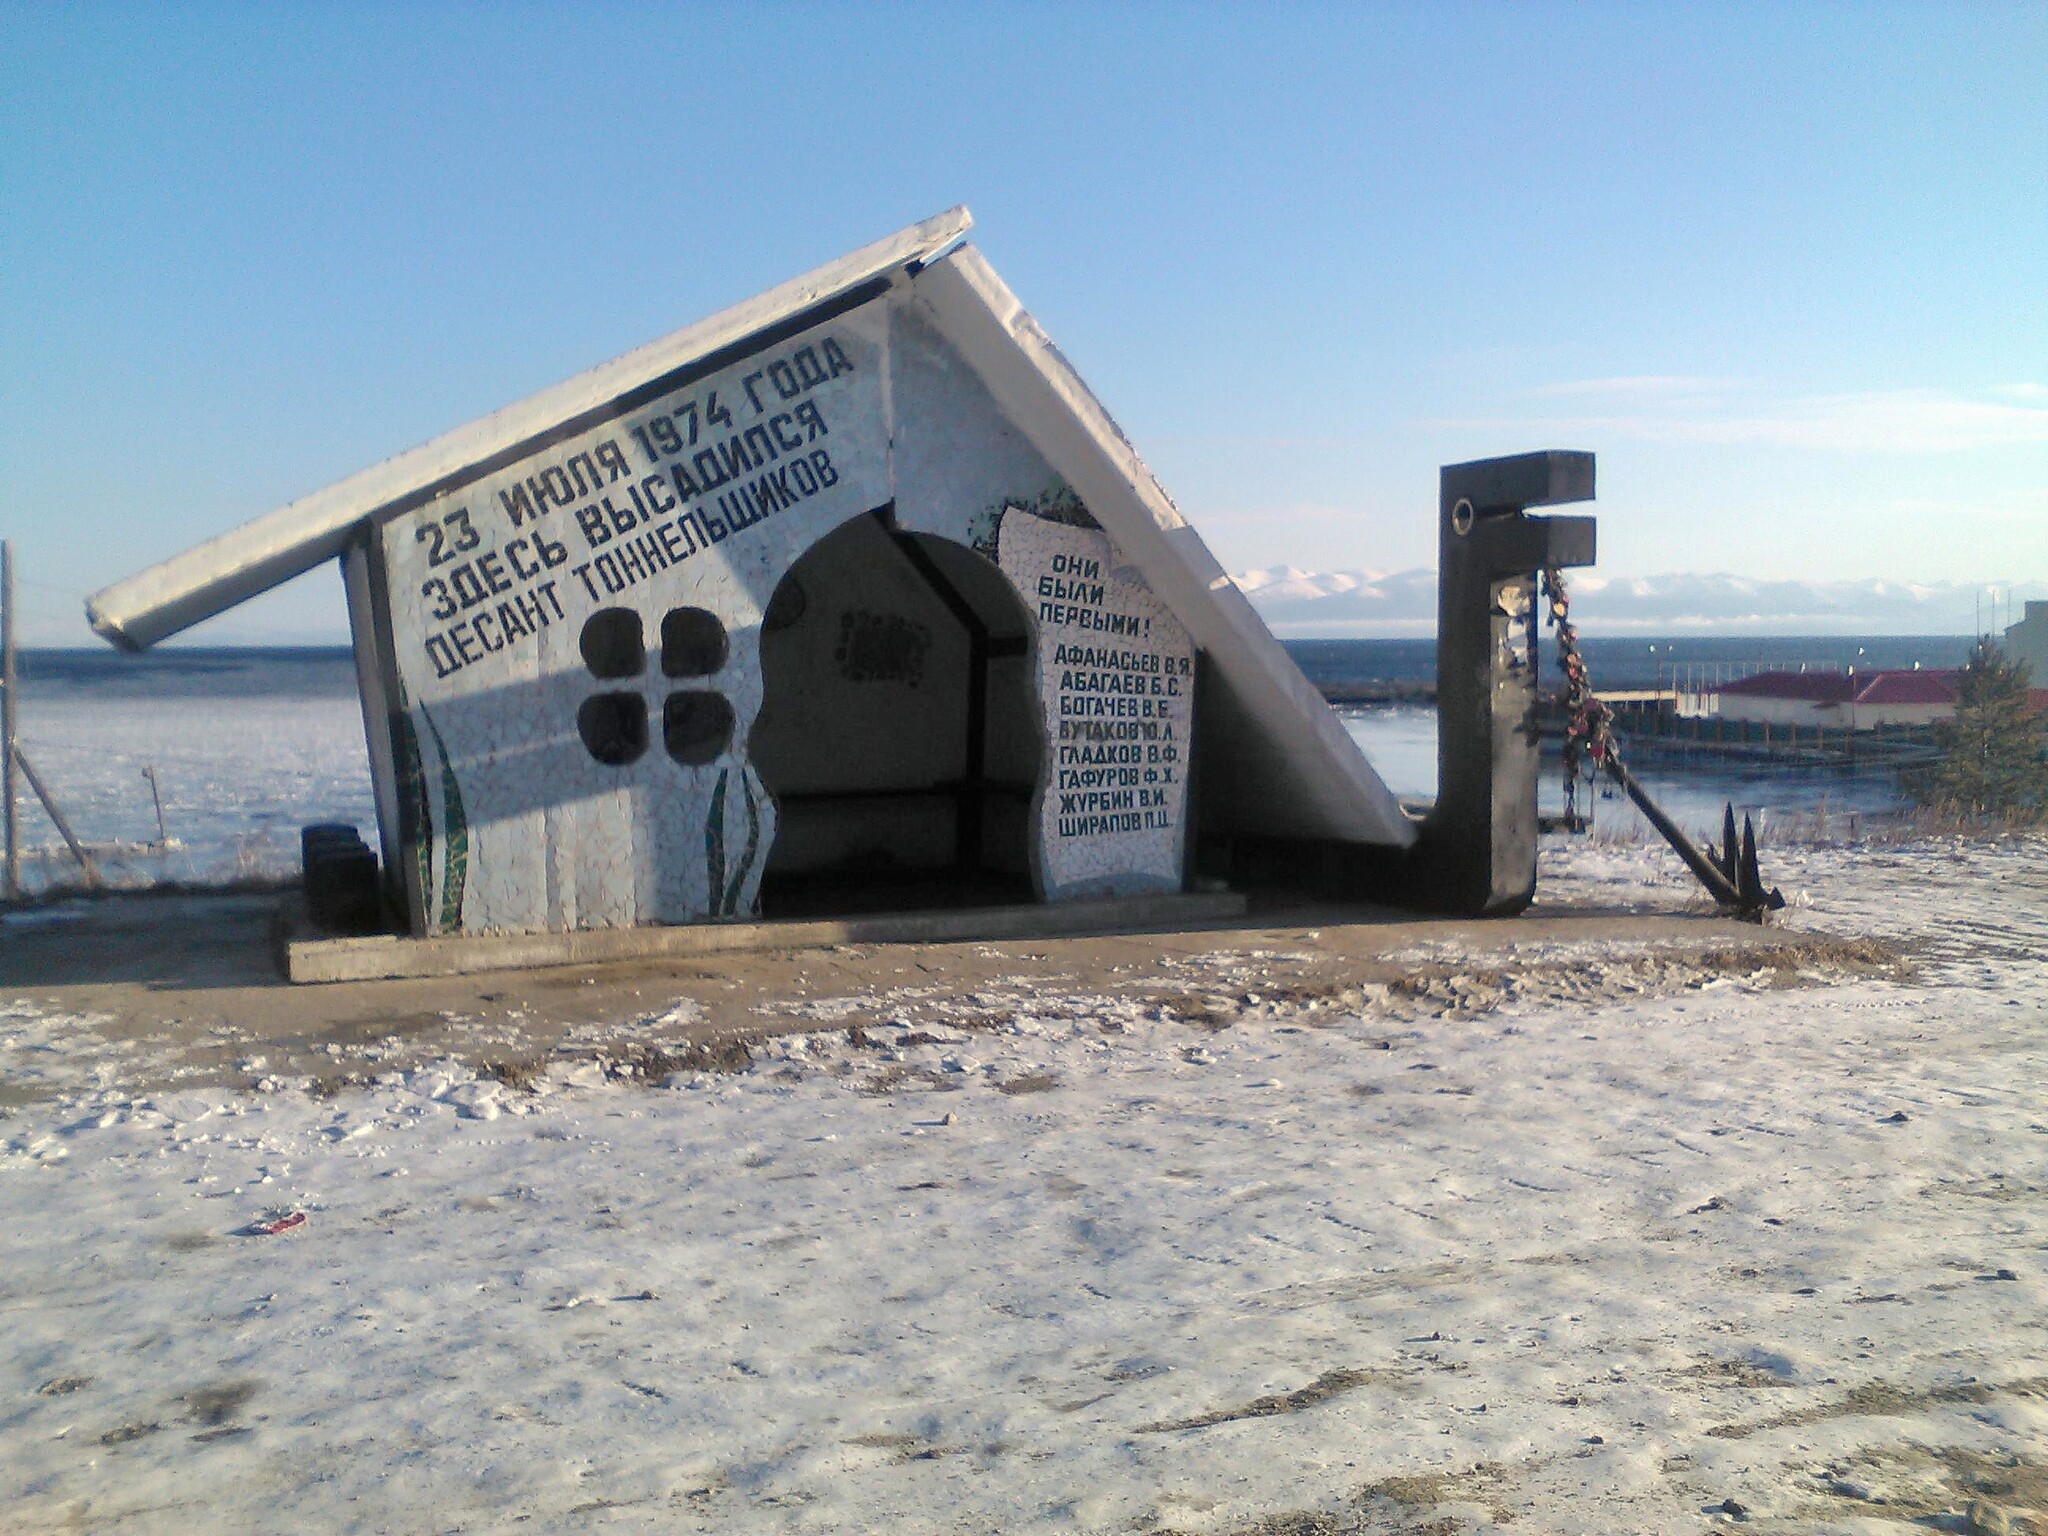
(739, 879)
(1057, 503)
(455, 842)
(714, 846)
(416, 817)
(415, 807)
(724, 894)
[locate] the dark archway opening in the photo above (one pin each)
(899, 729)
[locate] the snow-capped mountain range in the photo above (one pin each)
(1303, 603)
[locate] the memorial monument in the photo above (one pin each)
(850, 596)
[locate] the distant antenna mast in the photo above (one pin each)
(7, 714)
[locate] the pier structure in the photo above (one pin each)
(1717, 712)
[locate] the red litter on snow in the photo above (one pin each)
(289, 1223)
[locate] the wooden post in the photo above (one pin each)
(78, 851)
(156, 795)
(7, 688)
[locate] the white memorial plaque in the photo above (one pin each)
(1116, 679)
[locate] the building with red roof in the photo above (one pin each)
(1841, 701)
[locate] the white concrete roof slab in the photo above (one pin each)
(212, 577)
(1283, 744)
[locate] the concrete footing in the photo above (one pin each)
(389, 957)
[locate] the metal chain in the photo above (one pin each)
(1588, 732)
(1731, 877)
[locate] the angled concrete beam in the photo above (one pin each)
(212, 577)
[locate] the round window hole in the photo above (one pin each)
(696, 727)
(613, 645)
(613, 727)
(693, 643)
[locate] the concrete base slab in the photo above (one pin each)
(182, 991)
(388, 957)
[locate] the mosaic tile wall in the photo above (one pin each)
(576, 638)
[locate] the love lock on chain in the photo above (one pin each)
(1730, 873)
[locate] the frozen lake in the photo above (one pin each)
(249, 746)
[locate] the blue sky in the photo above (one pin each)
(1784, 268)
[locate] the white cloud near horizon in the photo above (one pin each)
(1304, 604)
(1677, 408)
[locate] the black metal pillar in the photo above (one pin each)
(1477, 850)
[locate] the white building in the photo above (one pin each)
(2027, 641)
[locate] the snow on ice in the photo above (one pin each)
(1728, 1253)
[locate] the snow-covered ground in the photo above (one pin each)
(1738, 1253)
